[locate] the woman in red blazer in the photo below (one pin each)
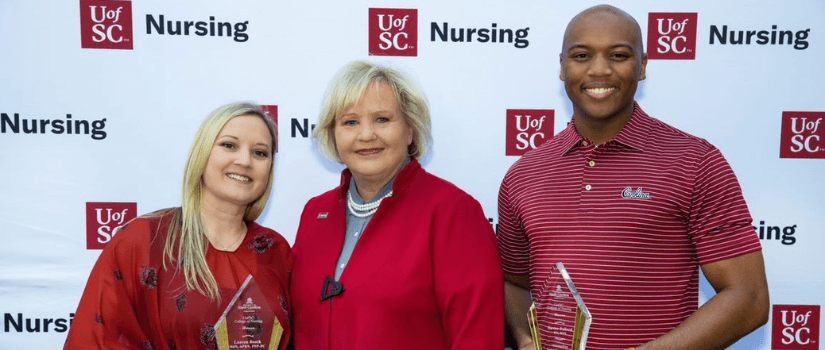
(394, 257)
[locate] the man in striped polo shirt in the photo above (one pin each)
(633, 208)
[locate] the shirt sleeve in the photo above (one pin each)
(106, 317)
(468, 282)
(719, 220)
(512, 240)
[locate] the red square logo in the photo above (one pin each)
(803, 135)
(272, 112)
(393, 32)
(528, 129)
(103, 218)
(671, 36)
(795, 327)
(106, 24)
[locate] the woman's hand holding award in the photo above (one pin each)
(248, 322)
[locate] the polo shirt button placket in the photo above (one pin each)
(591, 164)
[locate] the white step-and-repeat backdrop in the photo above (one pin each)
(101, 99)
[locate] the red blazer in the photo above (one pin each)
(425, 273)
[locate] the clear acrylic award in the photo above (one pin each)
(248, 322)
(568, 320)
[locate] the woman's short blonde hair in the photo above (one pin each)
(346, 88)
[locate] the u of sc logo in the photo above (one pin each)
(393, 32)
(795, 327)
(671, 36)
(803, 135)
(106, 24)
(528, 129)
(103, 218)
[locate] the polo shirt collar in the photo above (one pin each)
(637, 130)
(634, 135)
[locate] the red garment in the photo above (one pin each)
(132, 302)
(631, 219)
(425, 273)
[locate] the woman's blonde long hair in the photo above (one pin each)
(186, 242)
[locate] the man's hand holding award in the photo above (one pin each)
(565, 316)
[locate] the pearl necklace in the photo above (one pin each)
(225, 248)
(364, 210)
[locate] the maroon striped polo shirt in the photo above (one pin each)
(631, 219)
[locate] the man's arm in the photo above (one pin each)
(739, 307)
(516, 305)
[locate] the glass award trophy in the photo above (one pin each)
(568, 320)
(248, 322)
